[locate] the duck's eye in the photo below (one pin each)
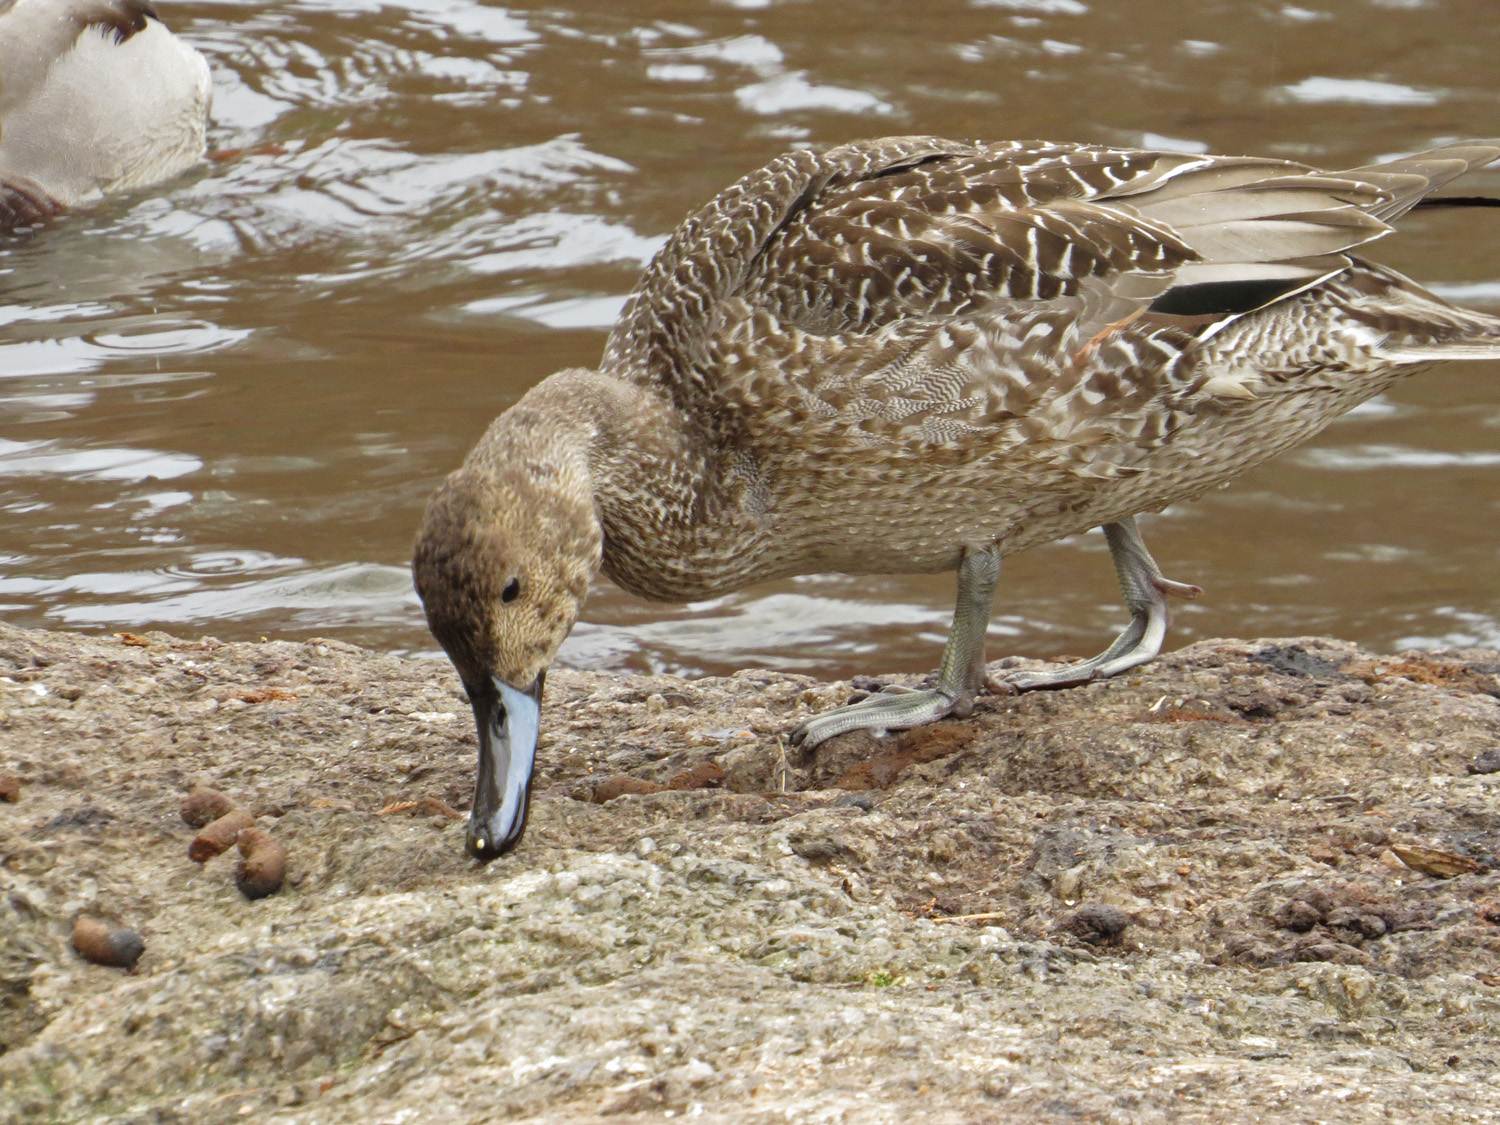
(512, 590)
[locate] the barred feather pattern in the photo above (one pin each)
(877, 356)
(870, 359)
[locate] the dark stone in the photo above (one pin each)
(1294, 660)
(89, 816)
(1357, 922)
(1297, 916)
(1486, 761)
(1332, 952)
(1056, 849)
(1399, 917)
(1096, 923)
(819, 847)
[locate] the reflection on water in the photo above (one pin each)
(222, 405)
(50, 459)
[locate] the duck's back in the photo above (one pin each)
(903, 345)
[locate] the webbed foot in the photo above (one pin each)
(960, 676)
(883, 712)
(1146, 592)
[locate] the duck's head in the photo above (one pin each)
(507, 549)
(96, 96)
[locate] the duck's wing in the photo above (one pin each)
(879, 236)
(951, 234)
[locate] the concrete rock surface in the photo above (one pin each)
(1254, 881)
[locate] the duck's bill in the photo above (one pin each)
(23, 201)
(507, 719)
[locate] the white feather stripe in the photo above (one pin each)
(1213, 174)
(1222, 386)
(1272, 240)
(1226, 206)
(1203, 273)
(1439, 353)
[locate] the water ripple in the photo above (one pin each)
(418, 208)
(1364, 457)
(53, 458)
(1362, 91)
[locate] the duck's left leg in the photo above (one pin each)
(961, 674)
(1146, 591)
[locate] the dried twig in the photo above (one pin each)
(987, 916)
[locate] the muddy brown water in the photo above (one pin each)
(223, 404)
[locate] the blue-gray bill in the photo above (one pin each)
(507, 719)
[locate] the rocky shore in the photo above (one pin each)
(1255, 881)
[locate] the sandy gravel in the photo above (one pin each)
(1255, 881)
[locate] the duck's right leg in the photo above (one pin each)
(960, 677)
(1146, 591)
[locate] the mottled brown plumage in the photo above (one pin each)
(915, 354)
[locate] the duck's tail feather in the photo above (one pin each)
(1440, 353)
(1459, 201)
(1410, 178)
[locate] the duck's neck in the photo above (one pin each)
(680, 515)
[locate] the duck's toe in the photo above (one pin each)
(884, 712)
(1138, 644)
(1146, 592)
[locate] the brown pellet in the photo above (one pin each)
(262, 866)
(705, 775)
(107, 945)
(622, 784)
(203, 805)
(10, 788)
(219, 835)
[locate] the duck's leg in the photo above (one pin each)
(961, 674)
(1146, 592)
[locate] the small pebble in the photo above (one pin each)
(203, 806)
(262, 866)
(10, 788)
(219, 835)
(107, 945)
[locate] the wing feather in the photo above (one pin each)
(916, 289)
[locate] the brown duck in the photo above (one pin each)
(917, 354)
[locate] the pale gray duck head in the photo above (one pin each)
(96, 97)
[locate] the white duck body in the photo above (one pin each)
(96, 96)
